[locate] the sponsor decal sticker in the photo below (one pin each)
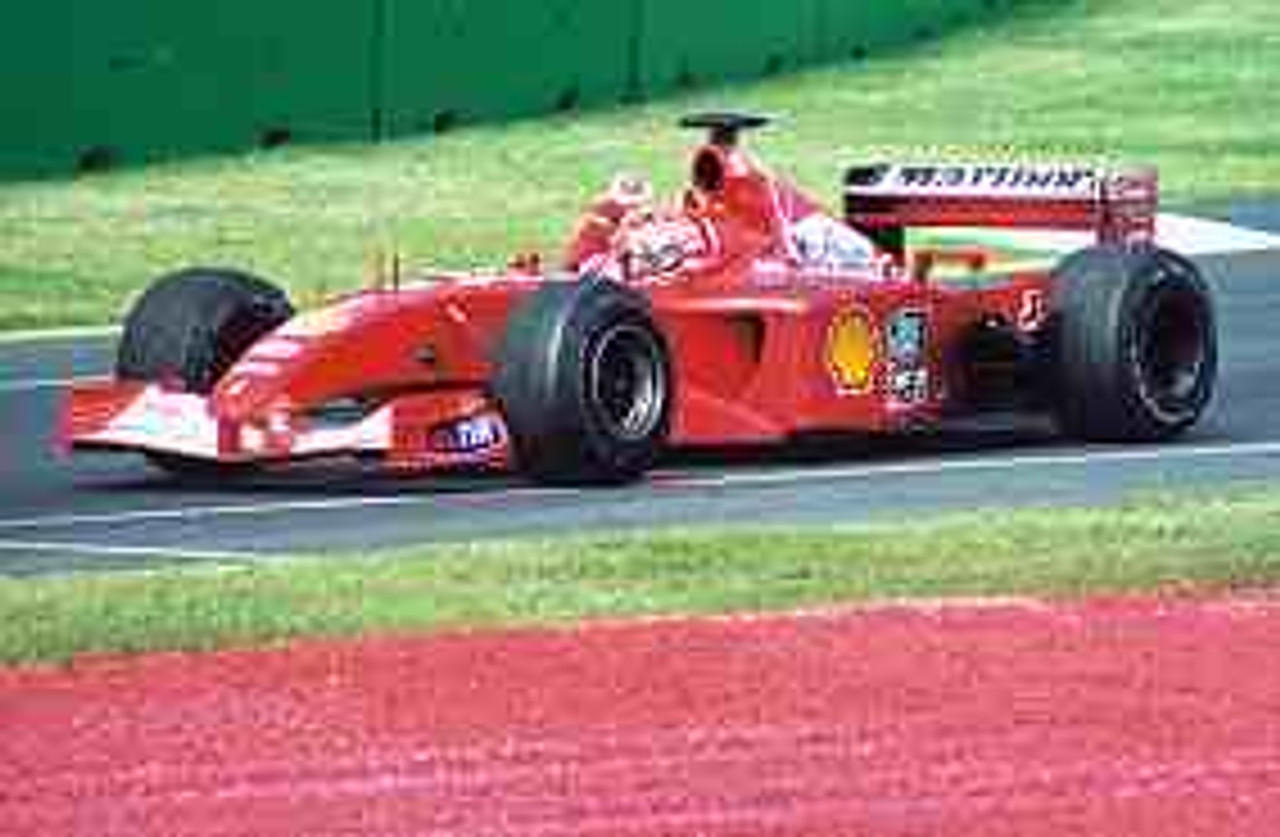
(469, 435)
(1033, 309)
(906, 338)
(851, 353)
(909, 386)
(1057, 181)
(906, 341)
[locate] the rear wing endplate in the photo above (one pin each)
(1119, 206)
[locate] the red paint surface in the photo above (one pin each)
(1133, 718)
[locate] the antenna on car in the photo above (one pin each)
(385, 269)
(724, 128)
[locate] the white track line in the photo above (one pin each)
(63, 336)
(187, 514)
(37, 384)
(111, 550)
(820, 473)
(190, 514)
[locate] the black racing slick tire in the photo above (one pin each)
(1136, 351)
(583, 379)
(189, 327)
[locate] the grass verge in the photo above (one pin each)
(1233, 542)
(1191, 87)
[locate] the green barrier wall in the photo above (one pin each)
(89, 83)
(684, 42)
(850, 28)
(96, 83)
(36, 131)
(451, 61)
(155, 77)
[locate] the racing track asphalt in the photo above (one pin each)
(109, 512)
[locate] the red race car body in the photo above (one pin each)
(743, 314)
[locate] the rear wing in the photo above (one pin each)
(884, 200)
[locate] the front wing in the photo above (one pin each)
(421, 431)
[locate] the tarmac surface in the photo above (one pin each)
(96, 512)
(1137, 717)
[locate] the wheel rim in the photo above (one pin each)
(1173, 349)
(628, 381)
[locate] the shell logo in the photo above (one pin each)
(851, 352)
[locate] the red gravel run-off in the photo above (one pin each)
(1117, 718)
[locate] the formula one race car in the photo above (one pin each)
(744, 313)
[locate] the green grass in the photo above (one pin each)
(1198, 541)
(1191, 86)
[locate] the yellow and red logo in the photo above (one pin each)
(851, 351)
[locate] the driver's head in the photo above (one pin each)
(627, 194)
(629, 191)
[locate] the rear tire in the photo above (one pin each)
(188, 328)
(583, 379)
(1136, 344)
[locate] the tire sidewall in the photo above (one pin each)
(1159, 277)
(543, 383)
(626, 456)
(1103, 303)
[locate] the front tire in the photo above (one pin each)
(188, 328)
(1136, 344)
(583, 378)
